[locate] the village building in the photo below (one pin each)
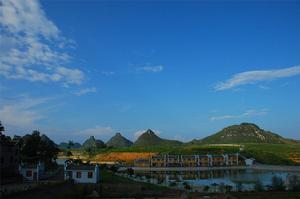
(32, 171)
(82, 173)
(249, 161)
(192, 160)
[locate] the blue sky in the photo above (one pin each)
(184, 69)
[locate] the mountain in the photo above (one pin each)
(118, 141)
(46, 140)
(64, 145)
(244, 133)
(93, 143)
(150, 138)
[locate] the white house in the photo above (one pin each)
(32, 171)
(249, 161)
(82, 173)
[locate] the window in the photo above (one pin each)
(90, 174)
(28, 173)
(78, 174)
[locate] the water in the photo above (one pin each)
(245, 178)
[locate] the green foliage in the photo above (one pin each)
(244, 133)
(36, 148)
(149, 138)
(272, 153)
(118, 141)
(93, 143)
(1, 127)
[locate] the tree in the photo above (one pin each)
(277, 183)
(36, 148)
(1, 128)
(70, 144)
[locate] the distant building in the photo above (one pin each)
(82, 173)
(191, 160)
(9, 160)
(249, 161)
(31, 171)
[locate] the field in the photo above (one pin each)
(277, 154)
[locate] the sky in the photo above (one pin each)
(72, 69)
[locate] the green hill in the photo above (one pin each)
(149, 138)
(244, 133)
(118, 141)
(65, 145)
(93, 143)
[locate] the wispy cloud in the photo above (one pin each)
(248, 113)
(33, 48)
(251, 77)
(151, 69)
(97, 131)
(23, 112)
(84, 91)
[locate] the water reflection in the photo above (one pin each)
(244, 179)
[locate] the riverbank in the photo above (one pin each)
(255, 167)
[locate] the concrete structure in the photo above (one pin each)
(191, 160)
(82, 173)
(32, 172)
(249, 161)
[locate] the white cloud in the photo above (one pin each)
(251, 77)
(140, 132)
(86, 91)
(248, 113)
(97, 131)
(33, 46)
(151, 69)
(23, 112)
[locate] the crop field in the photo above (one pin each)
(278, 154)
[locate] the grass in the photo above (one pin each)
(273, 153)
(109, 177)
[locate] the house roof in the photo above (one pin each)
(80, 167)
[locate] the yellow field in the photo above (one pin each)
(110, 157)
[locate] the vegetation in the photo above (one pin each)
(244, 133)
(118, 141)
(36, 147)
(149, 138)
(93, 143)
